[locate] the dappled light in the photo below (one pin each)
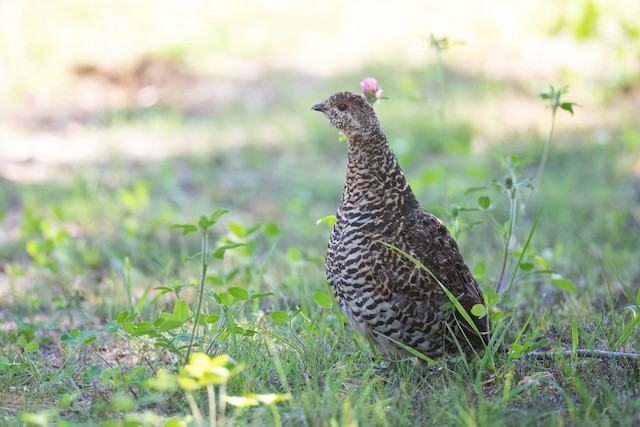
(167, 195)
(192, 60)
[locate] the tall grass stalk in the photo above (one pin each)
(554, 96)
(513, 212)
(204, 257)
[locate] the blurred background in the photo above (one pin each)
(120, 118)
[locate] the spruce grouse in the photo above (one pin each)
(383, 293)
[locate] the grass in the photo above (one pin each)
(80, 233)
(100, 294)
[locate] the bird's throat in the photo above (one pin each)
(373, 174)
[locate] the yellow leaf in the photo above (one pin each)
(270, 399)
(188, 383)
(164, 381)
(198, 364)
(241, 401)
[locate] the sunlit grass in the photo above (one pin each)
(97, 296)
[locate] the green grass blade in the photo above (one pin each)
(627, 331)
(463, 312)
(413, 351)
(574, 336)
(524, 251)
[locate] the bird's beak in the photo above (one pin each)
(319, 107)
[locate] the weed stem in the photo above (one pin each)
(582, 353)
(211, 396)
(545, 154)
(205, 263)
(512, 220)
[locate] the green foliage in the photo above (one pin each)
(329, 220)
(30, 347)
(105, 325)
(204, 371)
(442, 43)
(554, 96)
(322, 299)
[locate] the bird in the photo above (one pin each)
(387, 297)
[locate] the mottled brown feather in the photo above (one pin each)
(382, 292)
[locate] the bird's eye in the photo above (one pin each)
(342, 106)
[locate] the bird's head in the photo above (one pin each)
(349, 113)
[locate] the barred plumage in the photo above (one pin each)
(382, 292)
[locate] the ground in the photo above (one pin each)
(123, 119)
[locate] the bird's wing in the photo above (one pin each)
(427, 239)
(439, 252)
